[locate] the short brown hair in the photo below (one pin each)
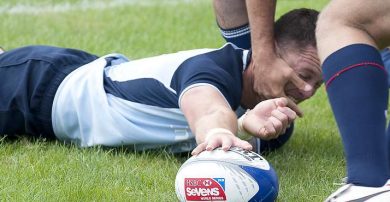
(298, 27)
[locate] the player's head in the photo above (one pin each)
(296, 45)
(296, 28)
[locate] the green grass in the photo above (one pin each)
(39, 170)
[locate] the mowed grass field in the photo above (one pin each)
(40, 170)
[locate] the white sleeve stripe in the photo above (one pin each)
(196, 85)
(244, 59)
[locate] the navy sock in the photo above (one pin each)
(385, 53)
(356, 82)
(239, 36)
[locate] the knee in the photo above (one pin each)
(326, 22)
(334, 18)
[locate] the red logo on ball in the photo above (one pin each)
(205, 189)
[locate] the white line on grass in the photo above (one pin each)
(81, 6)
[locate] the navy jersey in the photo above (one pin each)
(112, 101)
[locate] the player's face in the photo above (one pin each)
(306, 64)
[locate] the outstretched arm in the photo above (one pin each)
(214, 123)
(211, 119)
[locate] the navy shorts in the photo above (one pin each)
(29, 78)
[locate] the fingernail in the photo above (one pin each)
(307, 87)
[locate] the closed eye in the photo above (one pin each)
(305, 77)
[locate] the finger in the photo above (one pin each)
(227, 143)
(294, 107)
(299, 83)
(212, 144)
(288, 112)
(280, 116)
(277, 125)
(267, 131)
(243, 144)
(262, 133)
(281, 102)
(283, 132)
(201, 147)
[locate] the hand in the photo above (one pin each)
(271, 118)
(220, 138)
(271, 76)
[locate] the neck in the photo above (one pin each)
(248, 97)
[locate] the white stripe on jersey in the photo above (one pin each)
(160, 67)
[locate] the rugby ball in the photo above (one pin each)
(233, 175)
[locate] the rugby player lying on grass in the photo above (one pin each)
(181, 101)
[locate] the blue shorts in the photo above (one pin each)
(385, 53)
(29, 78)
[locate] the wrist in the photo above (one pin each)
(265, 54)
(242, 133)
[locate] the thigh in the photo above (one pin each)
(230, 13)
(345, 22)
(371, 16)
(14, 102)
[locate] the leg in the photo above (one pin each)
(347, 41)
(233, 21)
(29, 77)
(230, 13)
(385, 53)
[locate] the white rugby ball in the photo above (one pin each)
(236, 175)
